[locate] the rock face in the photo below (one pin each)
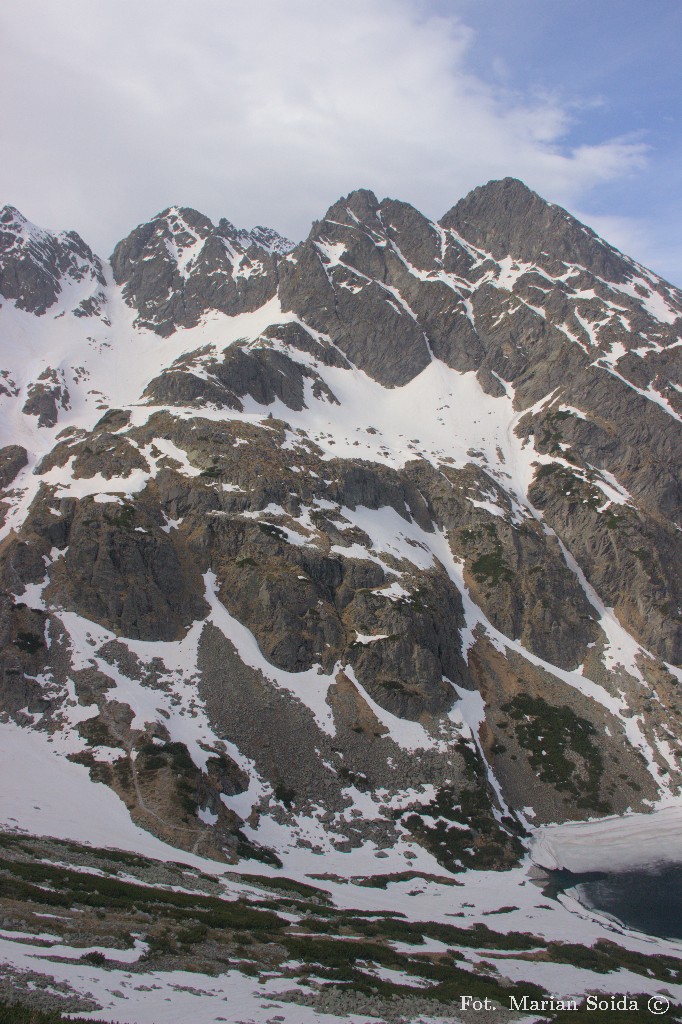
(179, 266)
(36, 266)
(504, 218)
(404, 499)
(13, 458)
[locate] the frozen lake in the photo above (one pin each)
(650, 901)
(629, 867)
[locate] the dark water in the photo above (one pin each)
(648, 900)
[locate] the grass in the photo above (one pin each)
(491, 567)
(97, 733)
(153, 757)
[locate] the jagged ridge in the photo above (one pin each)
(415, 482)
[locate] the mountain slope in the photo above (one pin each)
(403, 498)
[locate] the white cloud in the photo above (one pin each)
(264, 112)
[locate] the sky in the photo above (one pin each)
(267, 111)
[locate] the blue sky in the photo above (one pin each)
(268, 112)
(618, 63)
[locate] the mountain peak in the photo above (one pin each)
(506, 218)
(510, 195)
(358, 207)
(36, 264)
(362, 199)
(14, 223)
(10, 215)
(180, 264)
(188, 215)
(270, 240)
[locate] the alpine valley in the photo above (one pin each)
(340, 597)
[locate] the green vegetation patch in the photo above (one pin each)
(203, 933)
(382, 881)
(605, 957)
(560, 747)
(288, 885)
(285, 794)
(344, 960)
(17, 1013)
(546, 470)
(491, 568)
(465, 833)
(123, 517)
(56, 886)
(246, 561)
(28, 642)
(272, 531)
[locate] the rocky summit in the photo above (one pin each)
(352, 558)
